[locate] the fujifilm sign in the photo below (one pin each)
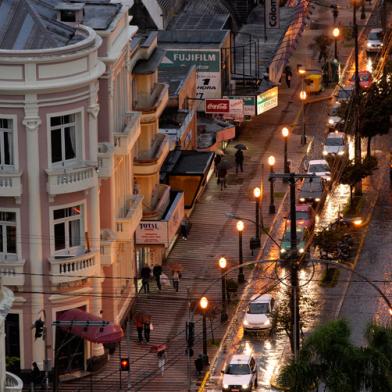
(272, 14)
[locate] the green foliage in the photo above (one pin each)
(12, 361)
(328, 238)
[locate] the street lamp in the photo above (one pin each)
(271, 163)
(257, 196)
(203, 305)
(303, 96)
(285, 134)
(336, 33)
(240, 229)
(222, 265)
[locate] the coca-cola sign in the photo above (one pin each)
(217, 106)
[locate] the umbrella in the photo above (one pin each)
(240, 146)
(143, 316)
(224, 165)
(156, 348)
(176, 267)
(218, 151)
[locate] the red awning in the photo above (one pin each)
(110, 333)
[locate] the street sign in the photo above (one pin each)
(267, 100)
(272, 17)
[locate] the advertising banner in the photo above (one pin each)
(272, 17)
(267, 100)
(230, 108)
(249, 104)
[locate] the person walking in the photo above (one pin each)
(157, 272)
(239, 161)
(162, 356)
(36, 379)
(288, 75)
(199, 364)
(139, 328)
(222, 173)
(184, 228)
(176, 280)
(217, 161)
(147, 330)
(146, 274)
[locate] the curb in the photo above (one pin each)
(204, 382)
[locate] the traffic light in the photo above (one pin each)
(124, 364)
(39, 328)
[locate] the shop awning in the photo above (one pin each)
(108, 333)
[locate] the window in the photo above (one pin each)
(67, 228)
(63, 138)
(6, 142)
(7, 233)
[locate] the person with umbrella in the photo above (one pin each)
(157, 272)
(147, 327)
(239, 158)
(222, 173)
(145, 274)
(139, 328)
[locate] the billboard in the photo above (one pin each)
(249, 104)
(231, 108)
(272, 17)
(208, 67)
(267, 100)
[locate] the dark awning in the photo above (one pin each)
(109, 333)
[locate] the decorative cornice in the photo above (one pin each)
(32, 123)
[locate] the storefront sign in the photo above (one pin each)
(267, 100)
(272, 19)
(249, 104)
(230, 108)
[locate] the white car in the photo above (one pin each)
(335, 144)
(240, 375)
(334, 120)
(258, 316)
(374, 41)
(320, 168)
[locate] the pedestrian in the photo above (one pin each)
(239, 161)
(162, 360)
(288, 75)
(222, 172)
(217, 161)
(146, 274)
(139, 328)
(176, 280)
(157, 272)
(147, 330)
(184, 228)
(199, 364)
(36, 378)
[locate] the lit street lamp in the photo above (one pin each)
(303, 96)
(240, 229)
(271, 163)
(203, 305)
(257, 195)
(336, 33)
(285, 134)
(222, 265)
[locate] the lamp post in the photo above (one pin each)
(240, 229)
(257, 195)
(336, 33)
(222, 265)
(303, 96)
(203, 305)
(285, 134)
(271, 163)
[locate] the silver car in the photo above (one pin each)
(374, 42)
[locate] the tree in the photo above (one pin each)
(329, 358)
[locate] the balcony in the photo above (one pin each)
(152, 105)
(10, 184)
(11, 272)
(150, 162)
(73, 268)
(73, 179)
(160, 204)
(108, 248)
(126, 139)
(13, 383)
(105, 160)
(128, 221)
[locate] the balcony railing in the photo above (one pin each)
(125, 140)
(160, 204)
(105, 160)
(11, 272)
(127, 223)
(153, 103)
(13, 383)
(10, 184)
(70, 180)
(73, 268)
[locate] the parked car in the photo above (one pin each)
(320, 168)
(285, 245)
(334, 119)
(374, 42)
(240, 375)
(305, 216)
(258, 316)
(335, 144)
(344, 94)
(312, 191)
(365, 79)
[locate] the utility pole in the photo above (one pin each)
(294, 297)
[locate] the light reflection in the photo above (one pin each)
(248, 350)
(369, 65)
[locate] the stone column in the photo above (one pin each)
(32, 123)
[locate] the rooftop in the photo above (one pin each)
(186, 162)
(192, 38)
(174, 77)
(150, 65)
